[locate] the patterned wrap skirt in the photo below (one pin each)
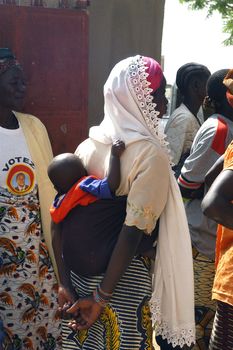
(204, 272)
(222, 332)
(125, 323)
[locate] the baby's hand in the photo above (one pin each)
(118, 148)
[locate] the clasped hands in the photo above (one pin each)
(82, 313)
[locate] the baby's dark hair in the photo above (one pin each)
(64, 171)
(216, 90)
(187, 72)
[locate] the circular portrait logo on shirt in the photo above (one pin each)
(20, 179)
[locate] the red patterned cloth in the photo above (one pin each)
(75, 196)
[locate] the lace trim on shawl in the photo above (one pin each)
(137, 78)
(178, 336)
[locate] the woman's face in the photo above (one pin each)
(12, 89)
(160, 99)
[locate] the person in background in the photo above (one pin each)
(217, 205)
(116, 308)
(185, 121)
(28, 292)
(209, 144)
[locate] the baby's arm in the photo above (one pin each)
(114, 171)
(105, 188)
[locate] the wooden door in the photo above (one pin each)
(52, 46)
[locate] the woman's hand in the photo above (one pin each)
(85, 312)
(65, 299)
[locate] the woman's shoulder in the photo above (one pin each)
(209, 124)
(29, 119)
(146, 152)
(86, 143)
(143, 147)
(89, 146)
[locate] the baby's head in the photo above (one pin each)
(64, 171)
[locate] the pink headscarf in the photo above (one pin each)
(155, 73)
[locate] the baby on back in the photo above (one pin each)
(77, 225)
(73, 185)
(86, 214)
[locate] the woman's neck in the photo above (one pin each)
(8, 119)
(192, 105)
(226, 111)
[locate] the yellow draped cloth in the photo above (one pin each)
(41, 152)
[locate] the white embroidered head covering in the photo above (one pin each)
(130, 115)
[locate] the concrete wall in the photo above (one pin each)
(118, 29)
